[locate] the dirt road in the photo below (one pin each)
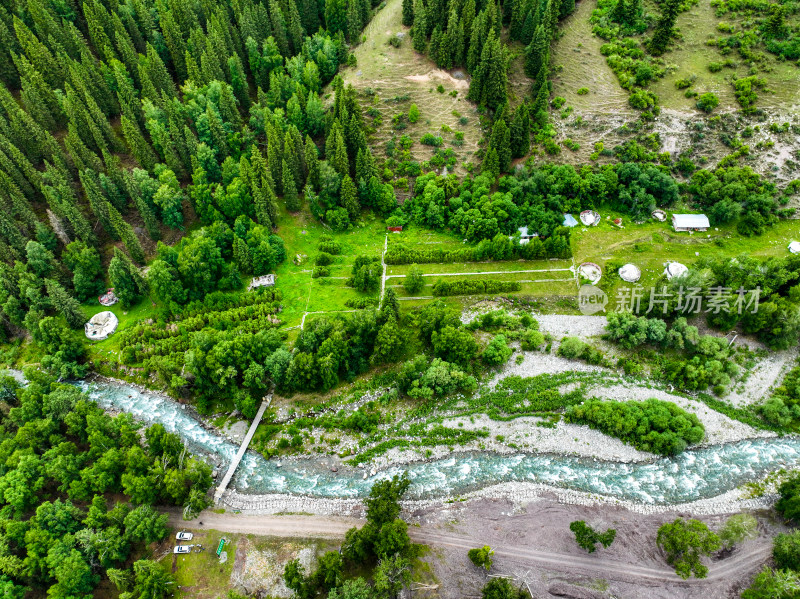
(335, 527)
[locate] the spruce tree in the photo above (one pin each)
(353, 22)
(348, 198)
(336, 16)
(126, 233)
(664, 27)
(97, 202)
(520, 132)
(336, 151)
(138, 145)
(312, 163)
(419, 33)
(65, 304)
(536, 52)
(289, 189)
(491, 164)
(408, 13)
(241, 256)
(500, 141)
(128, 283)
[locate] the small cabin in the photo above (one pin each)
(395, 229)
(690, 222)
(525, 236)
(262, 281)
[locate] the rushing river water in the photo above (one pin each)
(693, 475)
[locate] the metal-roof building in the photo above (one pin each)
(690, 222)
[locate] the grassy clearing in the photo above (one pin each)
(652, 244)
(578, 63)
(691, 57)
(302, 235)
(200, 575)
(394, 78)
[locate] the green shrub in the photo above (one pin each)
(684, 83)
(324, 259)
(413, 113)
(582, 91)
(651, 425)
(481, 557)
(431, 140)
(707, 102)
(444, 287)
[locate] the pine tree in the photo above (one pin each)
(618, 13)
(536, 52)
(336, 16)
(477, 40)
(289, 189)
(173, 39)
(138, 145)
(491, 164)
(408, 13)
(353, 22)
(312, 163)
(633, 9)
(419, 33)
(279, 27)
(65, 304)
(664, 27)
(39, 55)
(520, 132)
(241, 256)
(500, 141)
(348, 198)
(128, 283)
(488, 86)
(365, 166)
(335, 150)
(126, 233)
(98, 203)
(294, 158)
(239, 81)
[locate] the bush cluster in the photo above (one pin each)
(651, 425)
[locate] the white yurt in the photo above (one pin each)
(794, 247)
(675, 269)
(659, 215)
(590, 271)
(101, 326)
(630, 273)
(590, 218)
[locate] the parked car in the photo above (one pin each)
(182, 549)
(184, 536)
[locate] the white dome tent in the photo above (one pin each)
(590, 271)
(590, 218)
(630, 273)
(794, 247)
(675, 269)
(101, 326)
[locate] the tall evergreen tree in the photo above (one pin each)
(520, 132)
(500, 141)
(65, 304)
(290, 189)
(138, 145)
(128, 283)
(408, 13)
(349, 198)
(664, 29)
(419, 33)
